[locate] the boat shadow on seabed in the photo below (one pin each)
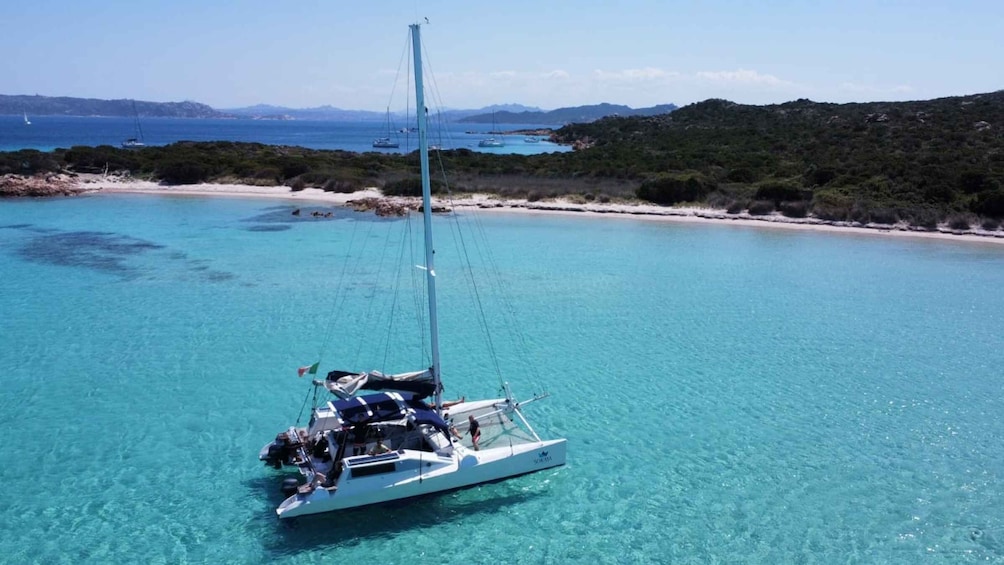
(370, 522)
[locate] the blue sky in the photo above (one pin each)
(538, 53)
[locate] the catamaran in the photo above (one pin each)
(368, 448)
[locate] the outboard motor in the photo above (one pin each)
(276, 455)
(289, 486)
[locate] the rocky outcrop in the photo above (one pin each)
(382, 206)
(392, 206)
(38, 185)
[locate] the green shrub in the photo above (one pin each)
(669, 189)
(959, 222)
(342, 186)
(183, 172)
(741, 174)
(989, 203)
(971, 182)
(819, 176)
(778, 191)
(882, 215)
(794, 209)
(268, 173)
(292, 167)
(830, 213)
(831, 205)
(925, 218)
(990, 224)
(297, 184)
(736, 207)
(761, 207)
(411, 186)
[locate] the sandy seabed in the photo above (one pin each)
(308, 196)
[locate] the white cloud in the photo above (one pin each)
(636, 87)
(743, 77)
(634, 75)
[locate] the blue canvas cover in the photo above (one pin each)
(385, 407)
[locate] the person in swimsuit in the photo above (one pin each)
(475, 431)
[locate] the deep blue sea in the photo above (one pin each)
(49, 132)
(729, 394)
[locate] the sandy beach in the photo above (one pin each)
(315, 196)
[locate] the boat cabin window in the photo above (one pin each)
(367, 470)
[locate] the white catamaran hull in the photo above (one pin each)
(401, 446)
(426, 473)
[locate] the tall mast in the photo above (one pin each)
(423, 148)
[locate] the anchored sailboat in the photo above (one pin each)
(137, 141)
(386, 142)
(492, 141)
(370, 448)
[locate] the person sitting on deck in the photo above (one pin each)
(453, 428)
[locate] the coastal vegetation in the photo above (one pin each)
(921, 163)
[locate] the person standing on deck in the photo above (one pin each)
(475, 431)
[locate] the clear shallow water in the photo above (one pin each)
(49, 132)
(729, 394)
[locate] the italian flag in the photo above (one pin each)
(309, 369)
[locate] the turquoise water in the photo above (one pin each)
(729, 394)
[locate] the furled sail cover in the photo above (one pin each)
(385, 407)
(344, 384)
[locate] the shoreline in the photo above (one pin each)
(118, 185)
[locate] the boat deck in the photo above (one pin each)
(497, 430)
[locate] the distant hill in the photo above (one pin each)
(266, 111)
(878, 162)
(67, 106)
(576, 114)
(506, 113)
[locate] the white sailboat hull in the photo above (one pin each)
(420, 473)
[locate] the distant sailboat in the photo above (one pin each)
(26, 121)
(492, 141)
(135, 142)
(386, 142)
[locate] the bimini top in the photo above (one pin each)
(375, 408)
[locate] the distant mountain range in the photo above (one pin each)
(571, 115)
(266, 111)
(504, 113)
(67, 106)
